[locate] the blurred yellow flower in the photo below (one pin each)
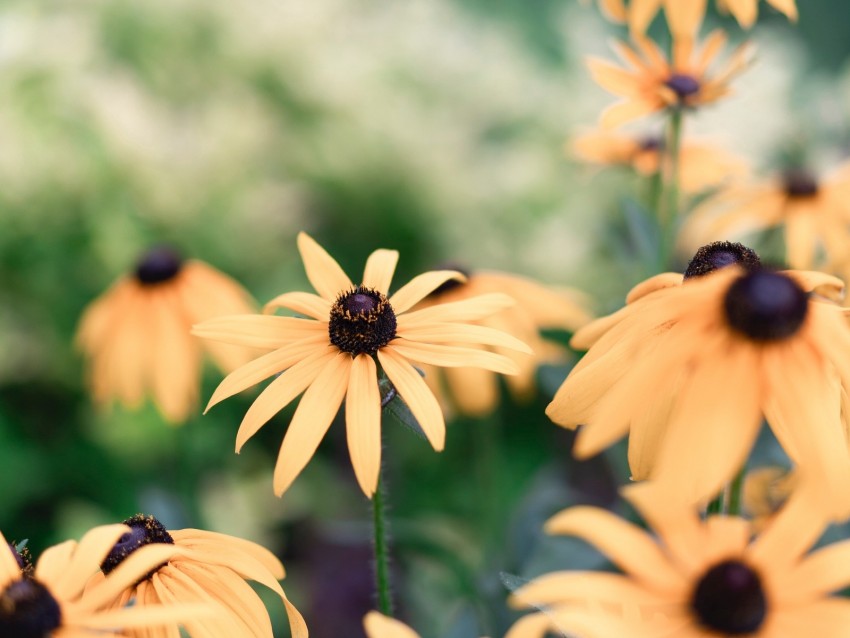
(379, 626)
(689, 369)
(815, 213)
(475, 391)
(205, 567)
(136, 336)
(649, 83)
(684, 17)
(331, 355)
(54, 600)
(698, 578)
(701, 166)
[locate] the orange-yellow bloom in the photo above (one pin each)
(697, 579)
(54, 600)
(206, 567)
(137, 338)
(649, 83)
(332, 353)
(689, 370)
(701, 166)
(815, 214)
(475, 391)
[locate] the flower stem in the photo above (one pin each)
(735, 488)
(381, 549)
(669, 213)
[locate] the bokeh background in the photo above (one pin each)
(436, 127)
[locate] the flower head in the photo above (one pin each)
(814, 211)
(696, 579)
(206, 567)
(333, 351)
(475, 391)
(689, 369)
(137, 334)
(54, 600)
(701, 166)
(650, 83)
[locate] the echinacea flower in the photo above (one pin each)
(689, 368)
(333, 352)
(684, 17)
(696, 579)
(649, 83)
(475, 391)
(206, 567)
(815, 213)
(701, 165)
(137, 338)
(52, 600)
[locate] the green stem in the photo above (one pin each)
(669, 214)
(735, 489)
(382, 553)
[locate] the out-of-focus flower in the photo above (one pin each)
(765, 491)
(684, 17)
(475, 391)
(649, 83)
(815, 213)
(206, 567)
(699, 578)
(701, 166)
(137, 334)
(54, 601)
(331, 355)
(379, 626)
(689, 369)
(746, 11)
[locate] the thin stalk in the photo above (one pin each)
(381, 549)
(669, 214)
(735, 489)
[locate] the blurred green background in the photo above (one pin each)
(432, 126)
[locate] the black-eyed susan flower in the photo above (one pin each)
(137, 334)
(52, 600)
(689, 369)
(377, 625)
(649, 83)
(206, 567)
(475, 391)
(701, 165)
(815, 214)
(695, 579)
(333, 352)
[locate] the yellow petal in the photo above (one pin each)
(149, 616)
(420, 287)
(475, 392)
(379, 270)
(615, 79)
(258, 331)
(302, 302)
(324, 273)
(470, 309)
(92, 549)
(380, 626)
(658, 282)
(684, 17)
(363, 422)
(788, 7)
(312, 419)
(623, 112)
(459, 333)
(452, 356)
(641, 13)
(416, 395)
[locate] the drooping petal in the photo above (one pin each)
(420, 287)
(413, 389)
(379, 270)
(324, 273)
(363, 422)
(312, 419)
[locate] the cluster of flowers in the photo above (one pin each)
(689, 368)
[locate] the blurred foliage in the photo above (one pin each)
(433, 127)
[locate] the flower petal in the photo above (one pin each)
(420, 287)
(452, 356)
(324, 273)
(258, 331)
(380, 626)
(460, 333)
(363, 422)
(379, 270)
(303, 302)
(312, 419)
(470, 309)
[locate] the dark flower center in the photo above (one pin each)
(729, 599)
(361, 322)
(683, 85)
(451, 284)
(144, 530)
(766, 306)
(720, 254)
(799, 183)
(158, 265)
(28, 610)
(651, 144)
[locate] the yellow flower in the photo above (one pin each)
(136, 335)
(205, 567)
(54, 601)
(330, 355)
(701, 166)
(689, 369)
(650, 83)
(698, 579)
(379, 626)
(475, 391)
(684, 17)
(815, 213)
